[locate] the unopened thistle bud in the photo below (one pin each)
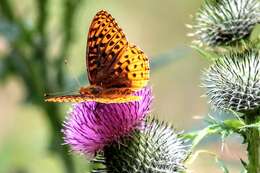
(156, 148)
(225, 21)
(233, 81)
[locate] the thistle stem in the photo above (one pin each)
(52, 113)
(252, 138)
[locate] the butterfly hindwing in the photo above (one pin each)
(131, 69)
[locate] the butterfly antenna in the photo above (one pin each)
(59, 93)
(73, 74)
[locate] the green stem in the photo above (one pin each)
(52, 112)
(252, 138)
(7, 12)
(34, 68)
(6, 9)
(69, 13)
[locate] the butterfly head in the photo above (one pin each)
(91, 90)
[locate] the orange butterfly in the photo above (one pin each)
(116, 68)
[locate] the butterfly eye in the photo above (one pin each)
(95, 90)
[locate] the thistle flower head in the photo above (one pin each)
(90, 126)
(156, 149)
(225, 21)
(233, 81)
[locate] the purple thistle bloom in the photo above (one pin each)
(91, 125)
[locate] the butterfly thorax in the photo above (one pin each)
(91, 90)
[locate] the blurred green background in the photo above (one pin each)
(35, 38)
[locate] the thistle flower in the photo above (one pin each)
(233, 81)
(91, 126)
(155, 149)
(225, 21)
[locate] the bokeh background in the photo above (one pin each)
(35, 38)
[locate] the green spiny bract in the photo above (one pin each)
(225, 21)
(155, 149)
(233, 81)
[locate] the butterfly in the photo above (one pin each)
(115, 67)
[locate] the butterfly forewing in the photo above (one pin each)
(105, 42)
(112, 61)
